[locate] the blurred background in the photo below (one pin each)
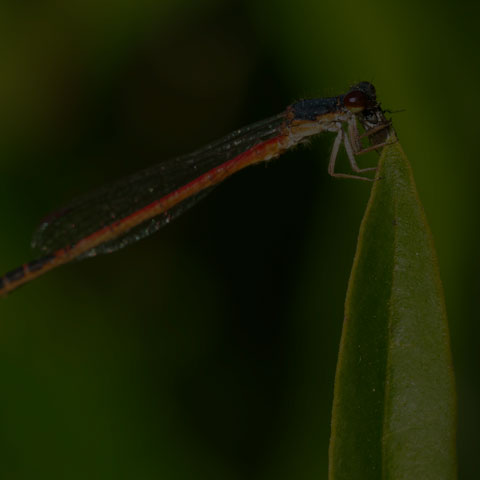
(209, 349)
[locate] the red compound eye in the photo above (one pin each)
(355, 101)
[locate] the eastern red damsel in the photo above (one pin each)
(134, 207)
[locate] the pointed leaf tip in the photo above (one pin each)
(394, 403)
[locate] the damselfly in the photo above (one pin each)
(132, 208)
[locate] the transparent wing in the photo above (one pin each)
(100, 208)
(146, 228)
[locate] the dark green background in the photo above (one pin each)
(209, 350)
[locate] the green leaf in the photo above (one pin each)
(394, 412)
